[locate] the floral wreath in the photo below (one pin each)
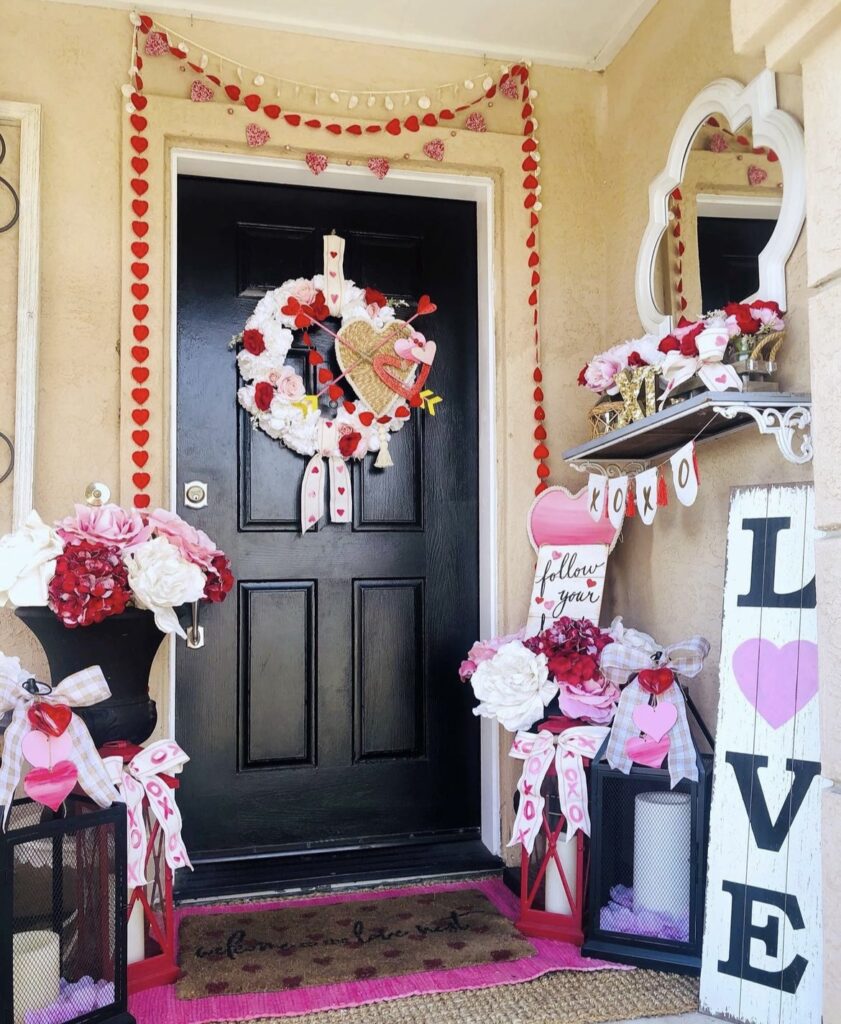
(383, 360)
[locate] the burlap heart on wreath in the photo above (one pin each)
(357, 343)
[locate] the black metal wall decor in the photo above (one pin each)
(648, 855)
(7, 185)
(63, 894)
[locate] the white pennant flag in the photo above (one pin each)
(684, 474)
(596, 488)
(617, 495)
(646, 494)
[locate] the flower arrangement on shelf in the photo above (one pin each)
(99, 561)
(707, 347)
(520, 680)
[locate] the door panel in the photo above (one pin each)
(325, 710)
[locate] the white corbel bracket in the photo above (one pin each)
(784, 424)
(610, 470)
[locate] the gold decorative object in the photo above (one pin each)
(603, 416)
(631, 382)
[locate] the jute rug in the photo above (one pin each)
(300, 956)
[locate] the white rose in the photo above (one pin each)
(513, 686)
(27, 562)
(161, 580)
(10, 668)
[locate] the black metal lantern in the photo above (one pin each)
(648, 854)
(63, 915)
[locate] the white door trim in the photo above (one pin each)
(475, 189)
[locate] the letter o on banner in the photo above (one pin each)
(617, 495)
(683, 474)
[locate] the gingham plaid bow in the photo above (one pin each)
(141, 778)
(631, 652)
(78, 690)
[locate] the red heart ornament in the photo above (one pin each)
(139, 144)
(139, 186)
(406, 390)
(141, 480)
(140, 374)
(140, 332)
(139, 163)
(51, 786)
(272, 111)
(140, 269)
(425, 305)
(656, 680)
(140, 353)
(140, 395)
(232, 92)
(51, 719)
(139, 249)
(366, 418)
(140, 206)
(293, 119)
(140, 459)
(138, 102)
(142, 501)
(140, 310)
(140, 437)
(139, 227)
(393, 127)
(252, 101)
(140, 416)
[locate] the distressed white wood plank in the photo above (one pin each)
(773, 714)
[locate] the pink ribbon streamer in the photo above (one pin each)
(141, 778)
(568, 752)
(312, 488)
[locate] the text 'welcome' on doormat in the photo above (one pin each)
(340, 950)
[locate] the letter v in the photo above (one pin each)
(770, 836)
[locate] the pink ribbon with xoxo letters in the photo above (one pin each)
(141, 778)
(567, 751)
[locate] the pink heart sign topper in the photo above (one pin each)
(558, 517)
(778, 681)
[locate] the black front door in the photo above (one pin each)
(324, 712)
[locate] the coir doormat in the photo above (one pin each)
(340, 950)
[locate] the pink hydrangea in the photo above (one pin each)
(106, 524)
(194, 545)
(483, 650)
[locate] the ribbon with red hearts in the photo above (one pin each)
(312, 487)
(652, 709)
(138, 780)
(567, 751)
(30, 713)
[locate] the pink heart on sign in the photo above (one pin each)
(778, 681)
(549, 605)
(722, 379)
(43, 751)
(655, 721)
(556, 555)
(646, 751)
(558, 517)
(51, 786)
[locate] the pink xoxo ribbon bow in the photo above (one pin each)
(80, 689)
(567, 751)
(709, 364)
(141, 778)
(312, 488)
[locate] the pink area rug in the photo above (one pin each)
(163, 1005)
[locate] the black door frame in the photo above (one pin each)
(476, 189)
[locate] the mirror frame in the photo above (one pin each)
(772, 127)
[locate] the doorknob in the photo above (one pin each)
(195, 494)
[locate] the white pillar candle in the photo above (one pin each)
(662, 852)
(35, 972)
(556, 898)
(136, 946)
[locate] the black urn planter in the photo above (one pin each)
(124, 647)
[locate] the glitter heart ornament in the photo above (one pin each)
(255, 135)
(156, 45)
(317, 162)
(200, 92)
(434, 149)
(378, 166)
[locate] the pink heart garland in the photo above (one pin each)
(379, 167)
(434, 149)
(43, 751)
(317, 162)
(156, 45)
(256, 135)
(646, 751)
(51, 786)
(756, 175)
(200, 92)
(655, 721)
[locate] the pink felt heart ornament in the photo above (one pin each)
(43, 751)
(424, 353)
(655, 721)
(403, 347)
(646, 751)
(51, 786)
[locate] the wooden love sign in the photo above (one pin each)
(572, 555)
(762, 940)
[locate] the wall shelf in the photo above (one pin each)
(786, 417)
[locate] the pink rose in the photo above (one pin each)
(305, 292)
(484, 650)
(593, 700)
(108, 524)
(600, 372)
(290, 385)
(195, 545)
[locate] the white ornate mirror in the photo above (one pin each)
(726, 210)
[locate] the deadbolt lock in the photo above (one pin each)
(195, 494)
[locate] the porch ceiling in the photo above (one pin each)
(568, 33)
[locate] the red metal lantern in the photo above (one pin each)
(150, 912)
(553, 877)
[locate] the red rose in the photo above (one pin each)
(743, 316)
(687, 342)
(635, 359)
(220, 579)
(375, 297)
(348, 443)
(252, 341)
(581, 379)
(572, 668)
(90, 583)
(669, 344)
(263, 395)
(767, 304)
